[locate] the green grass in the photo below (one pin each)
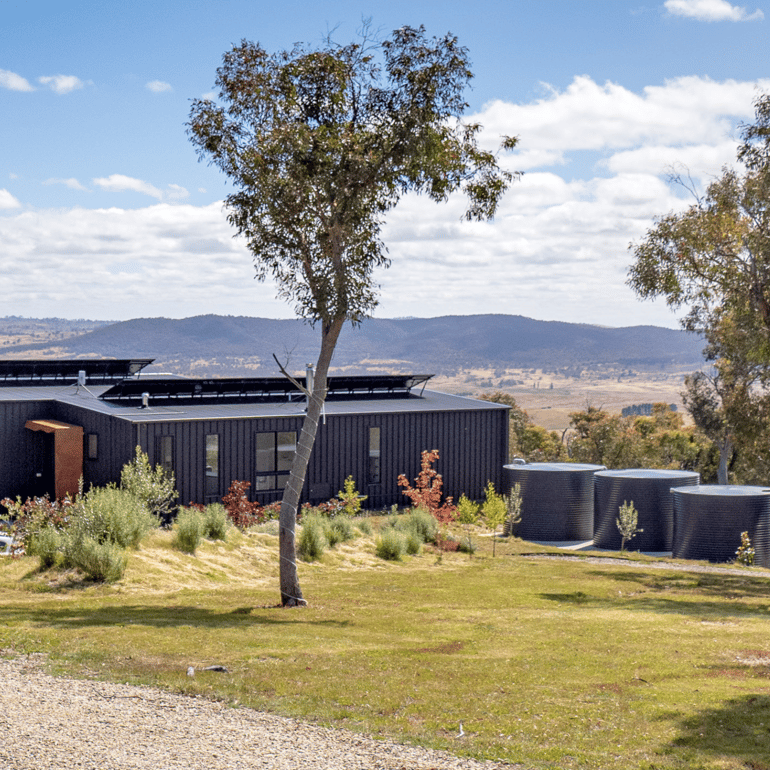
(550, 663)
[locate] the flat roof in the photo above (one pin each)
(89, 398)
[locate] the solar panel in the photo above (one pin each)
(258, 389)
(52, 372)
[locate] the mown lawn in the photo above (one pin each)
(549, 663)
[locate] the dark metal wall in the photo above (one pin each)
(22, 450)
(473, 447)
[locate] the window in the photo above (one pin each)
(275, 453)
(92, 446)
(164, 453)
(374, 456)
(212, 465)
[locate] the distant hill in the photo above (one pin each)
(212, 345)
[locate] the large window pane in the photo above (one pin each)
(265, 453)
(165, 453)
(212, 464)
(374, 455)
(287, 446)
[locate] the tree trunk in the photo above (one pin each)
(725, 449)
(291, 593)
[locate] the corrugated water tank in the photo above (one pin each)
(557, 500)
(708, 521)
(650, 492)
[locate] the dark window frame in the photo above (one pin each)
(273, 460)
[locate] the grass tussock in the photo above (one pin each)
(547, 663)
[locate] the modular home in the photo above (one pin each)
(63, 420)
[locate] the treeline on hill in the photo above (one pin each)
(658, 440)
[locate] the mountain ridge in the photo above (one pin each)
(220, 345)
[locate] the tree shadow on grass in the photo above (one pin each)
(162, 617)
(739, 730)
(694, 594)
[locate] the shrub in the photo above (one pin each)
(626, 523)
(47, 544)
(241, 511)
(34, 515)
(350, 497)
(153, 486)
(188, 530)
(420, 521)
(102, 562)
(745, 553)
(312, 539)
(364, 527)
(513, 504)
(339, 530)
(414, 542)
(426, 492)
(111, 515)
(215, 522)
(391, 544)
(468, 515)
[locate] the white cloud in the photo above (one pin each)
(72, 183)
(158, 86)
(14, 82)
(558, 248)
(62, 84)
(711, 10)
(121, 183)
(7, 201)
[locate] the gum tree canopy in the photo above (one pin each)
(320, 144)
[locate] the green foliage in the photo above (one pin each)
(626, 523)
(111, 515)
(320, 144)
(420, 521)
(189, 529)
(47, 544)
(745, 553)
(391, 544)
(215, 521)
(103, 562)
(350, 497)
(659, 441)
(153, 486)
(513, 505)
(467, 514)
(312, 540)
(339, 530)
(364, 526)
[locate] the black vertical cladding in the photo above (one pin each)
(18, 478)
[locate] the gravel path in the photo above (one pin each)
(50, 723)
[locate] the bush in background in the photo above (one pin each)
(391, 544)
(312, 539)
(188, 530)
(153, 486)
(215, 522)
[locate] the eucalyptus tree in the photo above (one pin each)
(320, 143)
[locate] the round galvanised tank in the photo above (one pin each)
(650, 492)
(708, 521)
(557, 500)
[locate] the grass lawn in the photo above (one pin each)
(548, 663)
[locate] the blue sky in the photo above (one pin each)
(106, 213)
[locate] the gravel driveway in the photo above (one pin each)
(51, 723)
